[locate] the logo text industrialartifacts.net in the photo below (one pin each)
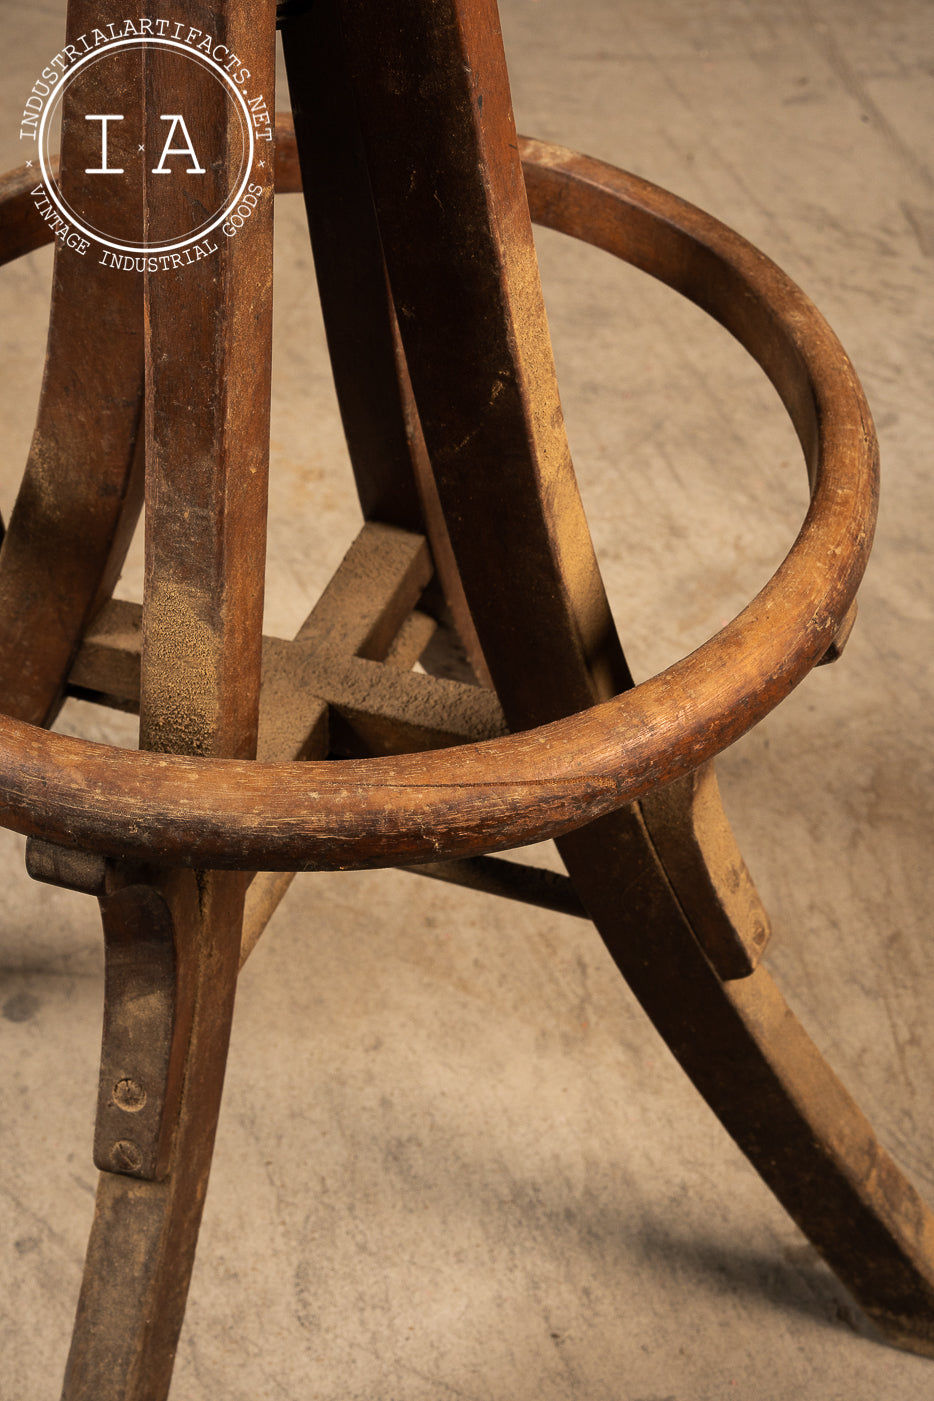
(163, 73)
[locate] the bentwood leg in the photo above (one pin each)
(202, 619)
(81, 491)
(151, 1193)
(384, 438)
(478, 355)
(766, 1081)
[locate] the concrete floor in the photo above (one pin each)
(454, 1160)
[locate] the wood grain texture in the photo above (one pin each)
(82, 486)
(208, 346)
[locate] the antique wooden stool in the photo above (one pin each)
(330, 751)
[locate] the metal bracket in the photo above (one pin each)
(144, 1026)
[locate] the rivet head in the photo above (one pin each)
(129, 1095)
(127, 1157)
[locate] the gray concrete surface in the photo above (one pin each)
(454, 1160)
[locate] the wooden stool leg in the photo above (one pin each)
(767, 1083)
(381, 424)
(477, 347)
(207, 367)
(145, 1231)
(431, 90)
(82, 488)
(349, 265)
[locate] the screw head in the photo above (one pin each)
(129, 1095)
(127, 1157)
